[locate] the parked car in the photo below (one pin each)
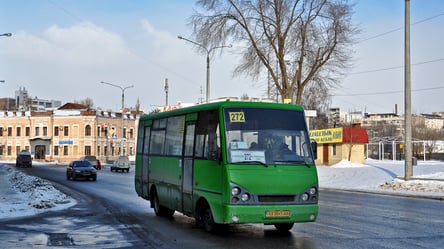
(23, 159)
(122, 163)
(81, 169)
(93, 160)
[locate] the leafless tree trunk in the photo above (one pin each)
(299, 43)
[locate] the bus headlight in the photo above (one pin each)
(305, 196)
(245, 197)
(235, 191)
(313, 191)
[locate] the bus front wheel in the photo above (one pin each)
(204, 218)
(283, 227)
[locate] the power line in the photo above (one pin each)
(400, 28)
(389, 92)
(397, 67)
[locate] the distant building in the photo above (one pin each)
(336, 144)
(24, 102)
(67, 133)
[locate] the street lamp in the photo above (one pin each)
(123, 106)
(208, 50)
(6, 34)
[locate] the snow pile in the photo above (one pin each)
(432, 186)
(29, 195)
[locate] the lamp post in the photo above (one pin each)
(208, 51)
(123, 106)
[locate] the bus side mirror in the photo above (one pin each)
(314, 148)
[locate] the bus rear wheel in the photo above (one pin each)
(283, 227)
(160, 210)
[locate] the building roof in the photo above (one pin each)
(72, 106)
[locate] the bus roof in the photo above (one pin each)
(221, 104)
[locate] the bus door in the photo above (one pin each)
(187, 168)
(146, 162)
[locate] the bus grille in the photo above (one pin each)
(276, 198)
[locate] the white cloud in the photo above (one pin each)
(81, 45)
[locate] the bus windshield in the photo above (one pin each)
(266, 136)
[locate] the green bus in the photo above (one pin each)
(229, 162)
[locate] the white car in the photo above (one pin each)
(122, 163)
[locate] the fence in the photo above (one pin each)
(394, 150)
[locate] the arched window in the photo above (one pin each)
(87, 130)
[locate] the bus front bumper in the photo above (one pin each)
(271, 213)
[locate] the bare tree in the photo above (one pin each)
(299, 43)
(87, 102)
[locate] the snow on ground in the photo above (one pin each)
(24, 195)
(385, 177)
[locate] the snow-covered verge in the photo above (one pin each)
(25, 195)
(385, 177)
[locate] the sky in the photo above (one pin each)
(63, 49)
(25, 195)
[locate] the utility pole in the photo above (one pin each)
(166, 91)
(407, 96)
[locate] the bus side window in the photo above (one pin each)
(213, 148)
(207, 138)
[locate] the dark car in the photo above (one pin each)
(23, 159)
(81, 169)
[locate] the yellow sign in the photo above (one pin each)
(237, 117)
(333, 135)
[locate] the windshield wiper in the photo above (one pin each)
(293, 161)
(252, 162)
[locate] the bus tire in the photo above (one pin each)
(160, 210)
(283, 227)
(204, 218)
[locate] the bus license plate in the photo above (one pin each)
(277, 213)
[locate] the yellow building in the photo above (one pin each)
(67, 133)
(337, 144)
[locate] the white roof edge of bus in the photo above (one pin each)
(238, 99)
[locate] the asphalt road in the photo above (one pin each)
(109, 214)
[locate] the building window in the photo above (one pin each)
(1, 131)
(87, 130)
(65, 131)
(56, 131)
(98, 131)
(27, 131)
(9, 131)
(105, 150)
(56, 150)
(65, 150)
(45, 131)
(131, 151)
(87, 150)
(9, 150)
(124, 132)
(18, 131)
(37, 131)
(131, 133)
(17, 149)
(98, 150)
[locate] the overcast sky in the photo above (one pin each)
(63, 49)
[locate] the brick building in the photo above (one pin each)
(67, 133)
